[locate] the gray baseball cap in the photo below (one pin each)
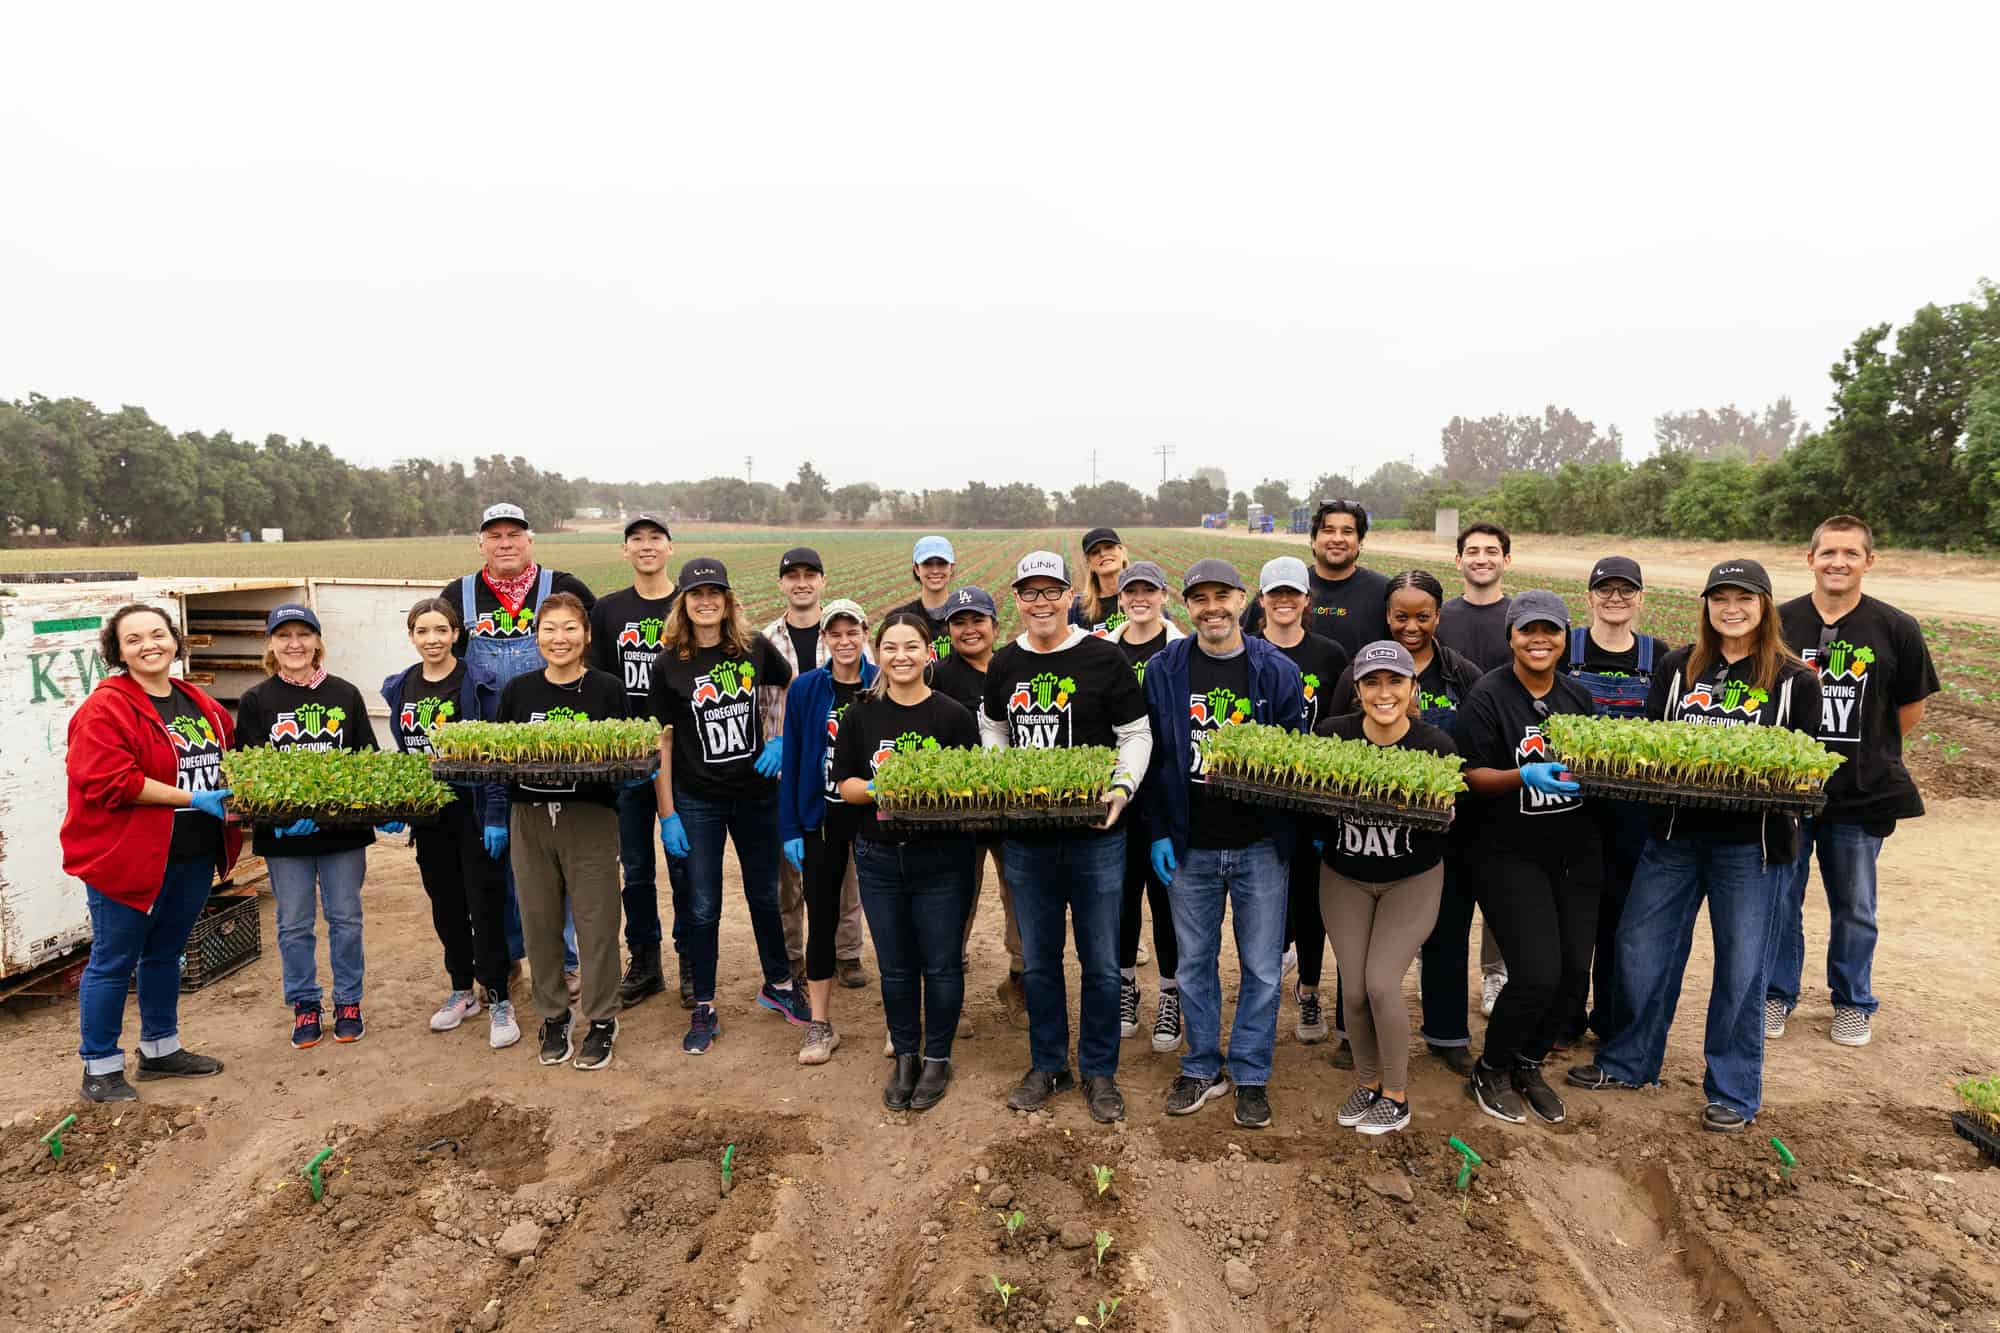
(1287, 571)
(1143, 571)
(1211, 570)
(1385, 655)
(1535, 604)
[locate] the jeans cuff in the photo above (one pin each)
(104, 1064)
(155, 1047)
(1445, 1041)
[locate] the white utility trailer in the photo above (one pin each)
(49, 660)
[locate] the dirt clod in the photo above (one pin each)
(1240, 1278)
(1392, 1185)
(1516, 1316)
(519, 1240)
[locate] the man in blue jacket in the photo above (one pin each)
(1212, 851)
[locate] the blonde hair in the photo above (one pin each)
(737, 636)
(271, 658)
(1093, 603)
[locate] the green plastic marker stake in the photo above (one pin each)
(1785, 1156)
(311, 1172)
(54, 1137)
(1472, 1159)
(728, 1169)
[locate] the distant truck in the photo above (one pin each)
(1256, 519)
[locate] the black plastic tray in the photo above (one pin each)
(613, 770)
(996, 821)
(1709, 798)
(1976, 1132)
(337, 818)
(1327, 806)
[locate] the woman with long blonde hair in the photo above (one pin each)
(1096, 606)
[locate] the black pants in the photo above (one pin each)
(468, 898)
(1303, 923)
(1139, 879)
(828, 848)
(1542, 905)
(1622, 826)
(1446, 955)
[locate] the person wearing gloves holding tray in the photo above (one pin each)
(1737, 673)
(1540, 865)
(298, 706)
(562, 838)
(1215, 853)
(1379, 886)
(1054, 687)
(145, 830)
(468, 893)
(719, 686)
(815, 827)
(916, 887)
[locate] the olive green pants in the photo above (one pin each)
(566, 854)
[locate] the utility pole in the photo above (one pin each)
(1093, 469)
(1164, 451)
(749, 468)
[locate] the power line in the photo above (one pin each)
(1165, 451)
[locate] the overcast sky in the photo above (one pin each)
(927, 243)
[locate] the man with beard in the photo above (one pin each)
(1350, 602)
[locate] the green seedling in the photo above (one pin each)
(271, 784)
(570, 740)
(728, 1169)
(1013, 1221)
(1104, 1313)
(1981, 1097)
(53, 1139)
(1102, 1174)
(1472, 1159)
(921, 779)
(1006, 1289)
(1103, 1242)
(1326, 766)
(311, 1173)
(1784, 1156)
(1739, 759)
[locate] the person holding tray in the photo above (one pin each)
(563, 840)
(720, 686)
(145, 830)
(1058, 686)
(815, 827)
(1216, 853)
(298, 706)
(916, 887)
(1737, 673)
(1540, 867)
(468, 893)
(1379, 885)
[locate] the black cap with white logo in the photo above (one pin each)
(703, 573)
(1745, 574)
(801, 555)
(1616, 567)
(645, 520)
(1099, 536)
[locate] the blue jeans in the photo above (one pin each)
(304, 886)
(1654, 937)
(1847, 855)
(752, 824)
(1083, 876)
(123, 937)
(638, 852)
(1254, 882)
(916, 895)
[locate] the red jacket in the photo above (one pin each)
(116, 742)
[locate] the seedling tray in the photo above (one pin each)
(1978, 1133)
(341, 818)
(1710, 798)
(227, 935)
(1327, 805)
(993, 820)
(607, 770)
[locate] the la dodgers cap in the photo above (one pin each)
(971, 598)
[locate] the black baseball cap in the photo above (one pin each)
(1098, 536)
(641, 520)
(1616, 567)
(703, 572)
(801, 555)
(1211, 570)
(1745, 574)
(1537, 604)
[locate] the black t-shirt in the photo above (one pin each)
(873, 729)
(1477, 632)
(1138, 654)
(1376, 851)
(711, 703)
(290, 717)
(1437, 699)
(938, 618)
(1724, 697)
(490, 619)
(1875, 662)
(805, 645)
(428, 705)
(1218, 696)
(1353, 611)
(592, 697)
(1320, 661)
(955, 676)
(197, 767)
(1076, 695)
(625, 632)
(1500, 726)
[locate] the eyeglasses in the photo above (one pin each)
(1041, 594)
(1615, 592)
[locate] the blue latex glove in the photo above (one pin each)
(393, 826)
(795, 852)
(495, 840)
(771, 759)
(302, 828)
(646, 781)
(1319, 845)
(674, 837)
(210, 803)
(1547, 779)
(1164, 864)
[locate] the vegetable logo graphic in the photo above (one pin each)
(561, 715)
(723, 715)
(1426, 700)
(1039, 710)
(1312, 683)
(1737, 696)
(483, 626)
(642, 633)
(907, 743)
(423, 714)
(1051, 690)
(307, 722)
(1534, 748)
(1846, 661)
(191, 732)
(729, 680)
(1219, 707)
(1534, 744)
(1843, 686)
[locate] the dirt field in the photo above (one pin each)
(187, 1212)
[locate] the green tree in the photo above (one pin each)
(853, 501)
(1180, 503)
(1239, 505)
(1481, 451)
(1387, 489)
(808, 494)
(1276, 497)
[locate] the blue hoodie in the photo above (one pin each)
(478, 697)
(801, 786)
(1276, 698)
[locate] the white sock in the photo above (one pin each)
(1168, 984)
(1128, 973)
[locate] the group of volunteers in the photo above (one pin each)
(771, 740)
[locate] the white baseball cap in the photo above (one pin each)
(502, 513)
(1041, 565)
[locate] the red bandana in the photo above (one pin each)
(512, 592)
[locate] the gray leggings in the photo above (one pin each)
(1376, 931)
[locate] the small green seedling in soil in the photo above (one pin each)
(1103, 1244)
(1013, 1221)
(53, 1139)
(1103, 1176)
(1006, 1289)
(1104, 1313)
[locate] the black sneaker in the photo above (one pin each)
(1253, 1106)
(1719, 1119)
(1536, 1092)
(1128, 1008)
(789, 1003)
(1037, 1086)
(1384, 1116)
(1355, 1107)
(704, 1026)
(596, 1052)
(687, 986)
(347, 1024)
(306, 1030)
(181, 1064)
(1592, 1078)
(1101, 1095)
(1458, 1059)
(556, 1045)
(1495, 1095)
(642, 977)
(110, 1087)
(931, 1085)
(1189, 1094)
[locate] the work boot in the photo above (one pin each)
(642, 976)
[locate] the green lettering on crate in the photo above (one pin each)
(90, 667)
(64, 626)
(45, 686)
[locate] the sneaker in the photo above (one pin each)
(1253, 1106)
(1719, 1119)
(1490, 1088)
(1037, 1086)
(1536, 1092)
(1386, 1116)
(789, 1003)
(1013, 997)
(820, 1044)
(502, 1030)
(642, 977)
(1775, 1015)
(1593, 1078)
(1342, 1056)
(931, 1085)
(850, 973)
(687, 986)
(110, 1087)
(306, 1019)
(1189, 1095)
(704, 1026)
(1106, 1102)
(178, 1064)
(556, 1045)
(1167, 1022)
(597, 1042)
(1289, 963)
(1312, 1021)
(1128, 1007)
(347, 1024)
(1458, 1059)
(457, 1007)
(1490, 987)
(1850, 1027)
(1357, 1104)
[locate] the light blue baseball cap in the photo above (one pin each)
(932, 547)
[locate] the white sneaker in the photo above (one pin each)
(1490, 987)
(1289, 963)
(1167, 1022)
(1850, 1027)
(1775, 1015)
(457, 1007)
(1128, 1008)
(504, 1031)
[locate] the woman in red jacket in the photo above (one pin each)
(145, 833)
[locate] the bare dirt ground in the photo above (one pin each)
(473, 1189)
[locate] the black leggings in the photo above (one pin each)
(827, 850)
(468, 898)
(1542, 906)
(1306, 929)
(1139, 878)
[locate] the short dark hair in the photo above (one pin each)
(1491, 530)
(443, 606)
(1352, 508)
(107, 642)
(1844, 523)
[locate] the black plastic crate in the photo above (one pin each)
(228, 935)
(1978, 1133)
